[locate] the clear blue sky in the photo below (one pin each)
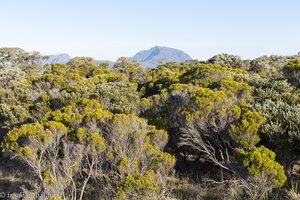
(108, 29)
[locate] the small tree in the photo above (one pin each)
(83, 142)
(261, 161)
(133, 70)
(292, 72)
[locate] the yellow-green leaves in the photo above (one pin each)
(261, 160)
(206, 98)
(122, 164)
(96, 143)
(142, 184)
(56, 127)
(31, 131)
(245, 131)
(25, 151)
(47, 178)
(132, 141)
(163, 162)
(36, 136)
(233, 88)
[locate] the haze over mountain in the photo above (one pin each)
(160, 55)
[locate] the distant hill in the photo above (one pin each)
(59, 58)
(160, 55)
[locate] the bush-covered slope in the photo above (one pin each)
(225, 128)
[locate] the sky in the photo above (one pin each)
(109, 29)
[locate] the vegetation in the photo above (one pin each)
(225, 128)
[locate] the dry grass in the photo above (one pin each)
(182, 189)
(293, 193)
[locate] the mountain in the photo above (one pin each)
(59, 58)
(160, 55)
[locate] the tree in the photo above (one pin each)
(261, 161)
(215, 125)
(206, 111)
(82, 142)
(30, 63)
(229, 61)
(269, 66)
(40, 151)
(292, 71)
(278, 102)
(118, 97)
(80, 61)
(133, 70)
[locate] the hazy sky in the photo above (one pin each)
(108, 29)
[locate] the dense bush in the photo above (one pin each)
(292, 71)
(84, 142)
(84, 131)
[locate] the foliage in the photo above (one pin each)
(245, 131)
(261, 160)
(269, 66)
(278, 102)
(85, 131)
(229, 61)
(91, 138)
(138, 184)
(133, 70)
(30, 63)
(292, 71)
